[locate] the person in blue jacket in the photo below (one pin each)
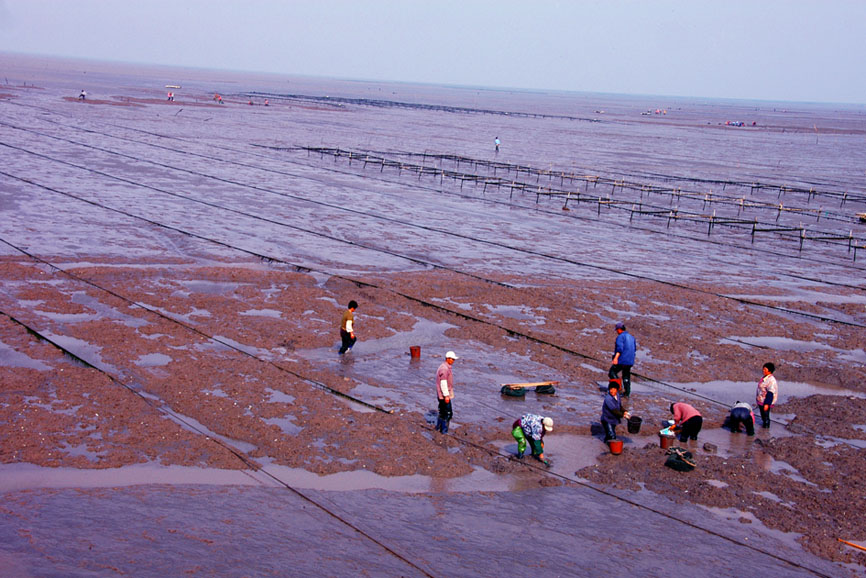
(623, 357)
(612, 411)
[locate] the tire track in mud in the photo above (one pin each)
(407, 224)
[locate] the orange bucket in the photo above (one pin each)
(415, 351)
(666, 441)
(615, 447)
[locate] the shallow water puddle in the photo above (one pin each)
(12, 358)
(729, 392)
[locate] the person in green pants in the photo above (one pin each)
(531, 427)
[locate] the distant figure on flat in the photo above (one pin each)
(82, 95)
(170, 97)
(496, 143)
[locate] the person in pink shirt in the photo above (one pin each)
(445, 392)
(687, 420)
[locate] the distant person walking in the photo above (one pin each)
(767, 393)
(170, 97)
(347, 328)
(82, 95)
(496, 143)
(531, 427)
(625, 348)
(445, 392)
(687, 420)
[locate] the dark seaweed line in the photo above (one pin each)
(246, 460)
(381, 103)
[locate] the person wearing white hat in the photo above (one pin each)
(532, 427)
(445, 391)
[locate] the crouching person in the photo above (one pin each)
(687, 421)
(612, 411)
(531, 428)
(741, 414)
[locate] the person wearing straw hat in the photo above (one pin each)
(445, 391)
(532, 427)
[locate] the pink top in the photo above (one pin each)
(684, 412)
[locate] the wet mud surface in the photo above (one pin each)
(170, 304)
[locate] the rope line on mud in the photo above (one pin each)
(357, 282)
(407, 224)
(246, 460)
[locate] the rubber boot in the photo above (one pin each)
(439, 424)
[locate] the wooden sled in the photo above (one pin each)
(518, 389)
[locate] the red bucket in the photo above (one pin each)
(666, 441)
(615, 447)
(415, 351)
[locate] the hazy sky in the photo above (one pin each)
(801, 50)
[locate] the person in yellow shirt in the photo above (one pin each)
(347, 328)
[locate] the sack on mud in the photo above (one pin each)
(549, 389)
(680, 460)
(513, 391)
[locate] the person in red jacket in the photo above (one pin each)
(687, 420)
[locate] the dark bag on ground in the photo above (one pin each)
(545, 389)
(680, 460)
(513, 391)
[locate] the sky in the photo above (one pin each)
(779, 50)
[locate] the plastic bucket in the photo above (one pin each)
(666, 441)
(415, 351)
(634, 424)
(615, 447)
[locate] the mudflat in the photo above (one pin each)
(174, 272)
